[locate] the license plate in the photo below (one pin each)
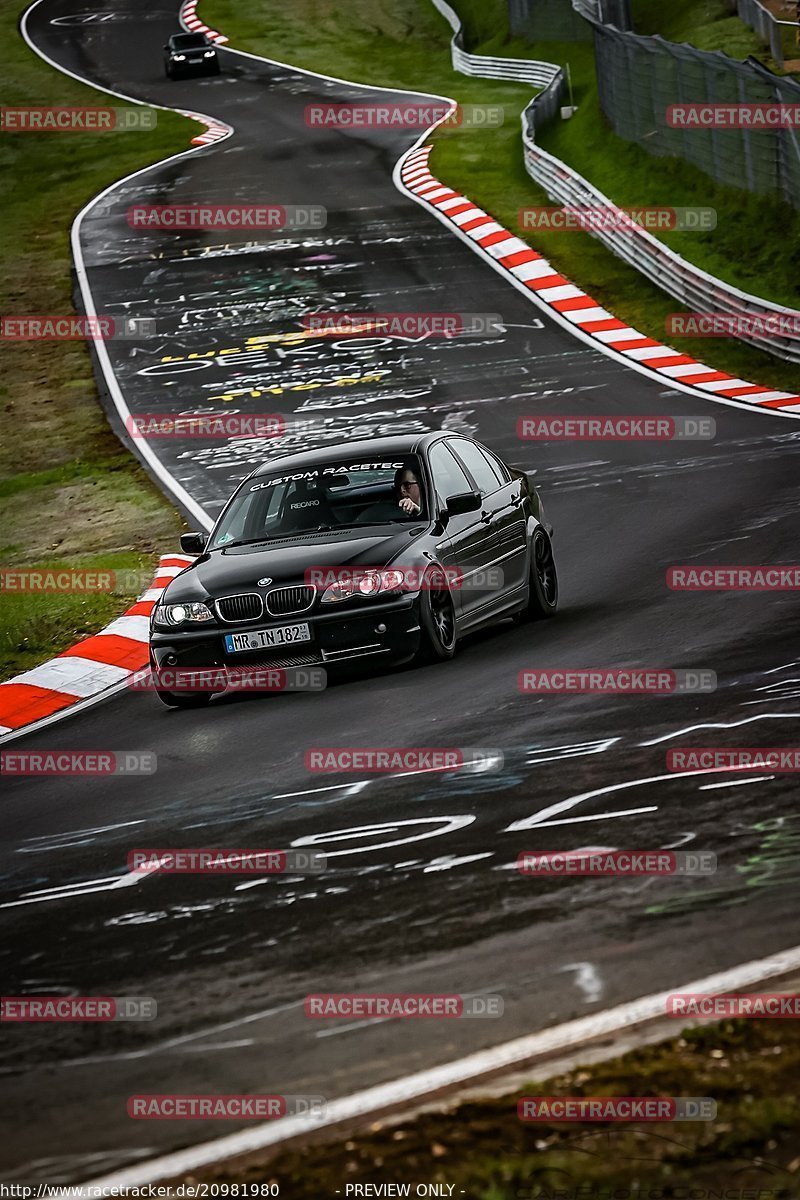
(263, 639)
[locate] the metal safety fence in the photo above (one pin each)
(642, 79)
(781, 34)
(694, 288)
(770, 327)
(658, 94)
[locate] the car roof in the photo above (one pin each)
(393, 447)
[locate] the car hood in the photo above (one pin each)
(239, 568)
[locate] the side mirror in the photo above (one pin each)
(464, 502)
(193, 543)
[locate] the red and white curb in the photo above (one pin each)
(215, 130)
(92, 666)
(549, 288)
(188, 15)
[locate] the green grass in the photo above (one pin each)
(392, 43)
(70, 489)
(706, 24)
(33, 622)
(405, 44)
(480, 1148)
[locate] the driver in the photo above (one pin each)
(408, 500)
(407, 487)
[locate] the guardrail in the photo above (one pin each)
(607, 12)
(518, 70)
(782, 36)
(693, 287)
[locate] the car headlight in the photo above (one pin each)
(209, 53)
(182, 614)
(179, 57)
(370, 583)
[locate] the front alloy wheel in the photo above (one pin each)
(438, 619)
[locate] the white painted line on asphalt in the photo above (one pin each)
(168, 481)
(668, 737)
(366, 1105)
(709, 787)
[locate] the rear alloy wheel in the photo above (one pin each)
(438, 619)
(543, 586)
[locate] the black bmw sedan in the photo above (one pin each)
(387, 550)
(190, 54)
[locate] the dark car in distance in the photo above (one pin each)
(385, 550)
(190, 54)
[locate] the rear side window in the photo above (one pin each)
(448, 474)
(500, 468)
(483, 470)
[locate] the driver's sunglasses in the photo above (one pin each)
(408, 483)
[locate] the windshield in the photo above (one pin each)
(188, 41)
(340, 494)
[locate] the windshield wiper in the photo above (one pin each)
(242, 542)
(334, 528)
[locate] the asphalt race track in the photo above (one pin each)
(421, 892)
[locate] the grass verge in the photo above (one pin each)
(751, 1151)
(33, 622)
(71, 494)
(706, 24)
(406, 44)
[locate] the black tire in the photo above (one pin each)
(437, 618)
(543, 586)
(184, 699)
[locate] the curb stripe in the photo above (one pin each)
(188, 16)
(90, 667)
(613, 336)
(24, 703)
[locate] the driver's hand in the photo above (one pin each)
(408, 506)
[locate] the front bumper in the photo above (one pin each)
(208, 66)
(383, 629)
